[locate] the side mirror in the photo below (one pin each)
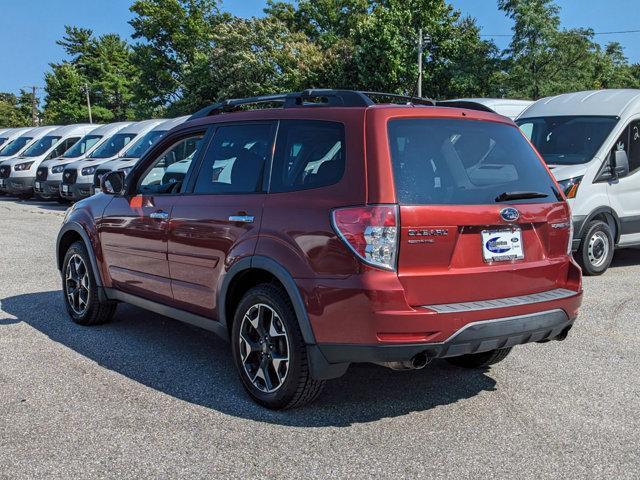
(620, 163)
(112, 183)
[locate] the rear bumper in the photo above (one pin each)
(475, 337)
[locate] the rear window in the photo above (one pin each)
(465, 162)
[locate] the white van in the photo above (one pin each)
(23, 168)
(77, 178)
(16, 148)
(591, 142)
(7, 135)
(136, 150)
(507, 107)
(49, 174)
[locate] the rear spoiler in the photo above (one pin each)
(464, 104)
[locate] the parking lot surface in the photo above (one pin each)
(149, 397)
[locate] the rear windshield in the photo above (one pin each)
(113, 146)
(42, 146)
(141, 146)
(82, 147)
(15, 146)
(465, 162)
(569, 140)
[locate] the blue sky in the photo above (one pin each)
(29, 28)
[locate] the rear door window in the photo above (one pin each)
(464, 162)
(309, 154)
(235, 159)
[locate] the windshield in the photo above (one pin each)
(41, 147)
(2, 140)
(113, 146)
(465, 162)
(141, 146)
(570, 140)
(82, 147)
(14, 147)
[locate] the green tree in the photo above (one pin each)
(15, 110)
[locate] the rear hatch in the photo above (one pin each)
(480, 216)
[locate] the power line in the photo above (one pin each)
(594, 33)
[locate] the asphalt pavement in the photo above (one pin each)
(149, 397)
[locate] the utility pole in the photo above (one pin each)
(420, 53)
(34, 104)
(86, 90)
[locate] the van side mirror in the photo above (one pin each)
(112, 183)
(620, 163)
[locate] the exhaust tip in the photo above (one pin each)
(420, 361)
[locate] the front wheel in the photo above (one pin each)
(269, 352)
(596, 248)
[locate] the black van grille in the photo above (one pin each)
(98, 176)
(42, 173)
(69, 176)
(5, 171)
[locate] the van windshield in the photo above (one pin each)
(567, 140)
(82, 147)
(3, 140)
(113, 146)
(465, 162)
(14, 147)
(141, 146)
(42, 146)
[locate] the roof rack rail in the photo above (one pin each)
(309, 98)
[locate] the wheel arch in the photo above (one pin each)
(607, 215)
(70, 233)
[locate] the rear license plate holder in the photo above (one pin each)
(502, 245)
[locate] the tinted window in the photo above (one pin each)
(113, 146)
(235, 159)
(567, 140)
(462, 162)
(63, 147)
(3, 140)
(141, 146)
(308, 155)
(168, 171)
(41, 146)
(629, 141)
(82, 146)
(15, 146)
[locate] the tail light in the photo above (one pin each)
(371, 232)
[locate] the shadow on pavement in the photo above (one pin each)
(194, 365)
(626, 257)
(52, 205)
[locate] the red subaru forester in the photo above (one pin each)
(324, 229)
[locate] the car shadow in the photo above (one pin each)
(626, 257)
(194, 365)
(50, 205)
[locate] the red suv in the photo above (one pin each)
(323, 229)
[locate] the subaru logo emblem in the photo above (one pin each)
(509, 214)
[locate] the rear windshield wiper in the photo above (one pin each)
(506, 196)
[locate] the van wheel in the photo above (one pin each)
(269, 352)
(80, 290)
(596, 248)
(480, 360)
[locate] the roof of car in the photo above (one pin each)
(614, 102)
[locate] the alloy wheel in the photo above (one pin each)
(264, 348)
(77, 284)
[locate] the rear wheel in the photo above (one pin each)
(80, 290)
(269, 351)
(596, 248)
(480, 360)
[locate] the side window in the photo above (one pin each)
(63, 147)
(167, 172)
(309, 154)
(235, 159)
(634, 146)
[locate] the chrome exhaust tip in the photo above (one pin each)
(418, 362)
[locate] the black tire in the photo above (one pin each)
(298, 387)
(596, 248)
(93, 311)
(480, 360)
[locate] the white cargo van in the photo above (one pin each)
(591, 142)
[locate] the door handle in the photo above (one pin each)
(159, 215)
(241, 218)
